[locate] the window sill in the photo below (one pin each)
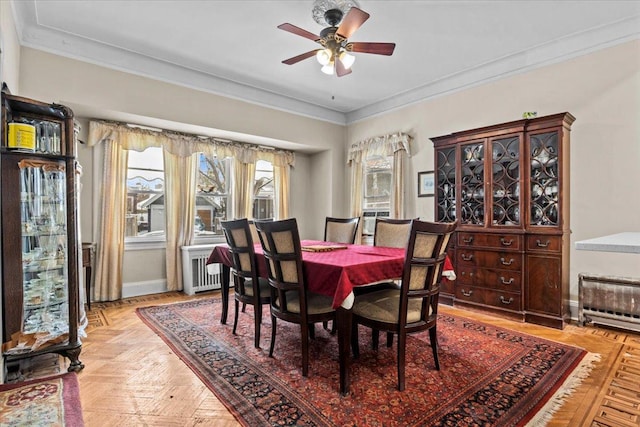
(143, 244)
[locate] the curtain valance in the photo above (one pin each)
(385, 145)
(184, 145)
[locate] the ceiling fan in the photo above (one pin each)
(334, 54)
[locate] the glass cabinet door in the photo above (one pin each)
(45, 311)
(472, 197)
(505, 181)
(544, 178)
(446, 184)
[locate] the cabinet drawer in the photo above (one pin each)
(494, 298)
(494, 241)
(544, 243)
(505, 280)
(490, 259)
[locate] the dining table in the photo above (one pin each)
(334, 270)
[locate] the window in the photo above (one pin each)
(145, 194)
(263, 193)
(376, 194)
(378, 179)
(212, 195)
(145, 217)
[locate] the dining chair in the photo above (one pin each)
(414, 306)
(341, 230)
(249, 288)
(391, 232)
(291, 301)
(254, 232)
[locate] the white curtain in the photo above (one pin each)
(180, 208)
(108, 276)
(243, 181)
(396, 145)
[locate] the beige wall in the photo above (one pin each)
(10, 48)
(602, 90)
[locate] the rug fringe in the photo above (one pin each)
(569, 386)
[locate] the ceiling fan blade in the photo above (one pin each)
(341, 70)
(299, 31)
(300, 57)
(368, 47)
(354, 19)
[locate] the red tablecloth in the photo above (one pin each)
(336, 273)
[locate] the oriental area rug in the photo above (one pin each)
(489, 376)
(51, 401)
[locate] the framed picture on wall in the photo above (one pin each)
(426, 184)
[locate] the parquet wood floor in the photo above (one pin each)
(131, 378)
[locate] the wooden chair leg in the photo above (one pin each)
(304, 328)
(273, 335)
(235, 317)
(312, 331)
(257, 318)
(355, 347)
(402, 342)
(433, 337)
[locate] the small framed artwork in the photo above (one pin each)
(426, 184)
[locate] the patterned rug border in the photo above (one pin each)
(34, 412)
(539, 414)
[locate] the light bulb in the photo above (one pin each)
(328, 69)
(347, 59)
(323, 56)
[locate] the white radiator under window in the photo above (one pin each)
(195, 275)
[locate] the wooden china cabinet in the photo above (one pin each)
(38, 223)
(508, 185)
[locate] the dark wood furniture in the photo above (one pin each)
(508, 185)
(40, 294)
(88, 253)
(249, 288)
(335, 273)
(413, 307)
(291, 299)
(341, 230)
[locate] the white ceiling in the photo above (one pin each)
(233, 48)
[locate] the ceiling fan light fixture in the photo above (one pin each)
(328, 69)
(347, 59)
(324, 56)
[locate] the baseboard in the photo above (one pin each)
(136, 289)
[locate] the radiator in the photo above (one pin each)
(195, 275)
(610, 301)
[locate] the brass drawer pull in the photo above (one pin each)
(542, 245)
(504, 262)
(469, 240)
(467, 257)
(506, 242)
(466, 294)
(504, 301)
(505, 282)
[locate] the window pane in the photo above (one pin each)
(212, 195)
(378, 180)
(145, 214)
(263, 190)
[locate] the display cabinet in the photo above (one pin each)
(39, 247)
(508, 185)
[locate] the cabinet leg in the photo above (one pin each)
(74, 357)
